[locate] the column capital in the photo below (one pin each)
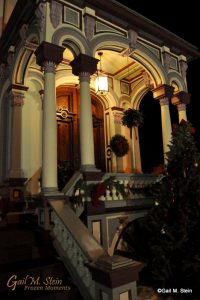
(181, 97)
(181, 107)
(47, 52)
(84, 63)
(84, 76)
(163, 91)
(164, 101)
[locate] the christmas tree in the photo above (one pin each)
(167, 239)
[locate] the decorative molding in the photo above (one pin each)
(125, 88)
(49, 67)
(30, 46)
(89, 26)
(72, 17)
(102, 27)
(40, 16)
(55, 13)
(23, 32)
(132, 37)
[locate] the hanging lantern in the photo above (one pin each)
(101, 83)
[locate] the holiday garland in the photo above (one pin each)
(119, 145)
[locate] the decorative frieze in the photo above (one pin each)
(55, 13)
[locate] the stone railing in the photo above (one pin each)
(134, 186)
(90, 267)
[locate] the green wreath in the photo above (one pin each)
(132, 118)
(119, 145)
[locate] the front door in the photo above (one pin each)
(68, 112)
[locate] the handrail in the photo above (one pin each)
(76, 246)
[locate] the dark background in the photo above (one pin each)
(183, 20)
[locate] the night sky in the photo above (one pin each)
(184, 22)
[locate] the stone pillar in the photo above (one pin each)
(115, 277)
(163, 93)
(181, 99)
(84, 66)
(17, 101)
(48, 56)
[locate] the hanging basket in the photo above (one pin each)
(119, 145)
(132, 118)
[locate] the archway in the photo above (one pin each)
(150, 134)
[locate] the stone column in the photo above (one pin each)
(163, 93)
(17, 101)
(181, 99)
(48, 56)
(84, 66)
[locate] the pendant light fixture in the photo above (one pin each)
(101, 84)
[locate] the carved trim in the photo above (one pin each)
(183, 68)
(89, 26)
(55, 13)
(132, 37)
(40, 16)
(49, 67)
(84, 76)
(167, 60)
(84, 63)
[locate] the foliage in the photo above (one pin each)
(119, 145)
(132, 118)
(167, 239)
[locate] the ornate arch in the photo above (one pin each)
(72, 38)
(175, 77)
(141, 54)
